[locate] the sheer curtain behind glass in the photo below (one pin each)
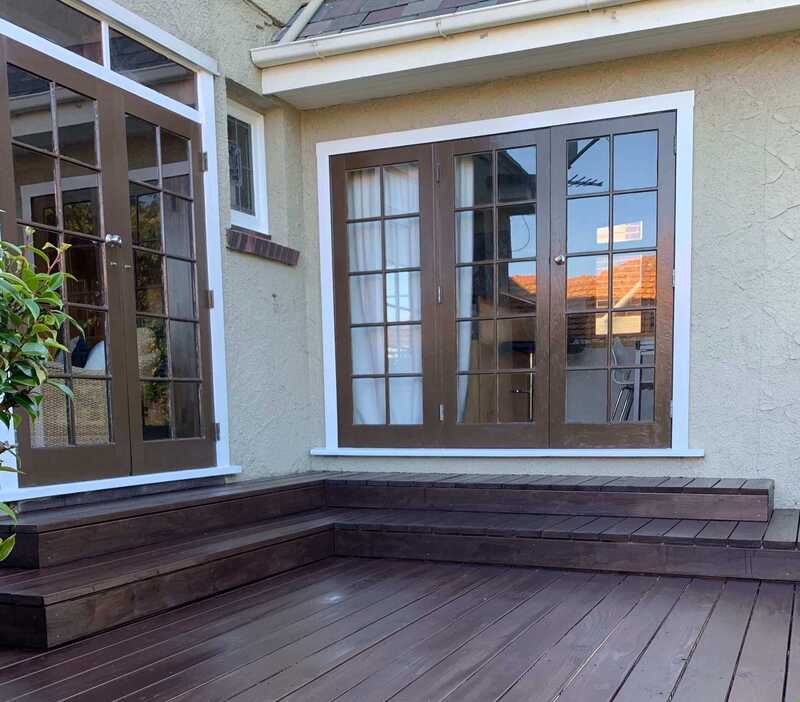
(464, 195)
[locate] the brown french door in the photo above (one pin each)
(546, 293)
(63, 139)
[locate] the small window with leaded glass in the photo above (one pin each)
(247, 168)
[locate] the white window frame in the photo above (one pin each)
(258, 222)
(109, 12)
(683, 104)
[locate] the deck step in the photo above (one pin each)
(609, 496)
(47, 607)
(56, 536)
(710, 548)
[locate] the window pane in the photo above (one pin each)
(180, 279)
(151, 347)
(476, 345)
(156, 421)
(240, 166)
(364, 246)
(186, 399)
(149, 282)
(178, 226)
(516, 342)
(587, 397)
(477, 399)
(516, 231)
(516, 174)
(634, 278)
(587, 165)
(51, 429)
(405, 348)
(145, 216)
(142, 152)
(34, 180)
(515, 399)
(175, 163)
(635, 220)
(369, 401)
(403, 303)
(633, 395)
(633, 339)
(402, 242)
(587, 224)
(401, 189)
(474, 180)
(29, 108)
(80, 198)
(367, 350)
(587, 340)
(84, 260)
(474, 236)
(635, 160)
(57, 22)
(405, 400)
(587, 283)
(183, 349)
(363, 193)
(475, 291)
(140, 63)
(516, 288)
(366, 299)
(75, 117)
(91, 411)
(88, 350)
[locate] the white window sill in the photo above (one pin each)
(510, 453)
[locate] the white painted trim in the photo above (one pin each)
(258, 222)
(151, 34)
(206, 103)
(13, 494)
(682, 103)
(506, 453)
(59, 53)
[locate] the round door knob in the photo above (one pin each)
(113, 240)
(560, 259)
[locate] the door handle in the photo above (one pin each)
(560, 259)
(113, 240)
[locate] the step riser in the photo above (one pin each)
(66, 545)
(655, 558)
(46, 627)
(757, 508)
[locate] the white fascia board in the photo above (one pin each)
(330, 75)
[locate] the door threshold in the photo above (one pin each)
(28, 493)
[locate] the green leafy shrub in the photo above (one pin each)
(31, 317)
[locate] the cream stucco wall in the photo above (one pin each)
(745, 354)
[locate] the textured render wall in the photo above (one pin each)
(745, 376)
(265, 303)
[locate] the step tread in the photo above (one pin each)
(70, 581)
(112, 510)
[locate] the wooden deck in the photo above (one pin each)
(358, 630)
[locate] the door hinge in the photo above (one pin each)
(438, 294)
(204, 161)
(217, 431)
(210, 299)
(441, 412)
(437, 172)
(673, 277)
(671, 403)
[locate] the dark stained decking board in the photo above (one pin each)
(356, 630)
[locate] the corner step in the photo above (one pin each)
(48, 607)
(660, 497)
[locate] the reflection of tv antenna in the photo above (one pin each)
(585, 182)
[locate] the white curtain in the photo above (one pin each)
(465, 195)
(367, 297)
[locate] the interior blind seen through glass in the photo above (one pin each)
(384, 275)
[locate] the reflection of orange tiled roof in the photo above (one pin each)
(526, 283)
(635, 277)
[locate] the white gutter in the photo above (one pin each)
(302, 20)
(426, 28)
